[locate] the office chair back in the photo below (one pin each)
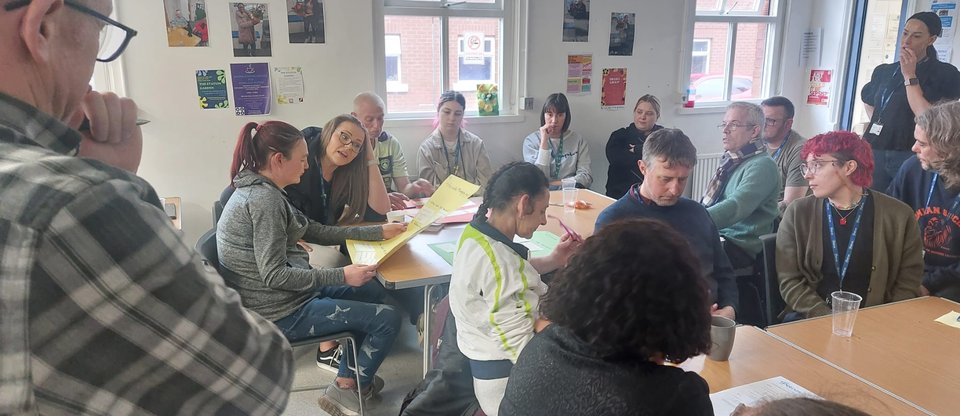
(771, 283)
(207, 247)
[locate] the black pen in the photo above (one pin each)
(85, 125)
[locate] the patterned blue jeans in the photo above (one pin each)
(345, 308)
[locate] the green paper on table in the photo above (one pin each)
(950, 319)
(541, 244)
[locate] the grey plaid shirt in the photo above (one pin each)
(103, 308)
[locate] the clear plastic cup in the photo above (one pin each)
(570, 191)
(845, 306)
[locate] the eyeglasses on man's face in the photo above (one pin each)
(813, 167)
(114, 36)
(734, 126)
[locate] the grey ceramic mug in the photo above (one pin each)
(722, 332)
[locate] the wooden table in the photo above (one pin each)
(758, 355)
(896, 346)
(417, 265)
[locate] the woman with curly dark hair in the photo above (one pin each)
(631, 299)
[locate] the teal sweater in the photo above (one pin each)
(748, 205)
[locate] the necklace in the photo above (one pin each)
(852, 209)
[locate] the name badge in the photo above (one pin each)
(876, 129)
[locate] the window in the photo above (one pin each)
(391, 44)
(700, 62)
(732, 50)
(445, 45)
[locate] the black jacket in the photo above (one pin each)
(623, 170)
(583, 383)
(888, 96)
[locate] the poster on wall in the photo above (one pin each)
(819, 87)
(613, 92)
(622, 27)
(576, 20)
(488, 100)
(947, 11)
(305, 21)
(186, 22)
(250, 29)
(473, 48)
(212, 88)
(289, 80)
(251, 88)
(579, 73)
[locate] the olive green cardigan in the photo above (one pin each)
(897, 254)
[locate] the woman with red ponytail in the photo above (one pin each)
(259, 257)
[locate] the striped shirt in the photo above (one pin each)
(103, 308)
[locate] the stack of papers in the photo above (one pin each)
(461, 215)
(540, 244)
(451, 195)
(724, 402)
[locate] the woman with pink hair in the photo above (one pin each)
(845, 237)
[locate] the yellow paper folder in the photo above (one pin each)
(450, 196)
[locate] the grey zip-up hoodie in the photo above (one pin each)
(257, 244)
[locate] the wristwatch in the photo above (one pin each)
(911, 81)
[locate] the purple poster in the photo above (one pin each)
(251, 89)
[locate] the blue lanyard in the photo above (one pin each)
(842, 269)
(780, 149)
(885, 98)
(933, 185)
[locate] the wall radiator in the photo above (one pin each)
(707, 165)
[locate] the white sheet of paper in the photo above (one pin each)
(724, 402)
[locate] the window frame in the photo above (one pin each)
(511, 65)
(776, 25)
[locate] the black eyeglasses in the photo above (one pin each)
(114, 36)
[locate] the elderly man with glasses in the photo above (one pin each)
(742, 196)
(105, 310)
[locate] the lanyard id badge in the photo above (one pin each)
(875, 128)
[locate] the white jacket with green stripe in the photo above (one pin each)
(494, 294)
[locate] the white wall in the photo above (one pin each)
(187, 150)
(833, 16)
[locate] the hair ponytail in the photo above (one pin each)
(932, 53)
(515, 178)
(243, 154)
(257, 141)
